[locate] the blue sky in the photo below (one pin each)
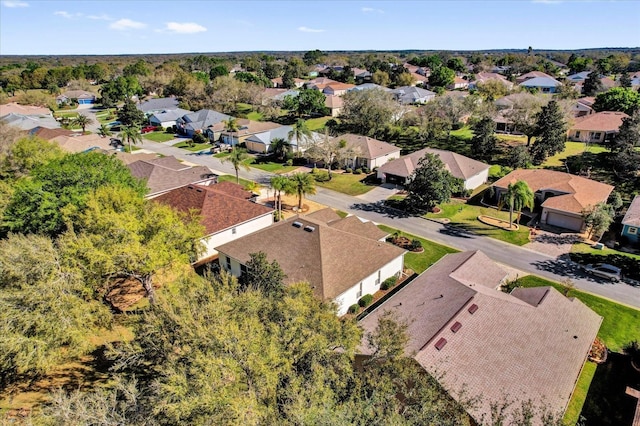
(130, 27)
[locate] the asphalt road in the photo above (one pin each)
(557, 269)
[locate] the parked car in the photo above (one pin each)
(149, 129)
(604, 270)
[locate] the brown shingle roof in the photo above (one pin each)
(605, 121)
(49, 134)
(221, 206)
(333, 101)
(325, 215)
(354, 225)
(16, 108)
(368, 147)
(79, 143)
(507, 347)
(330, 259)
(632, 217)
(164, 174)
(580, 192)
(458, 165)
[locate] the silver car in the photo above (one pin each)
(604, 270)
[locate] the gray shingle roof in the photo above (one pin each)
(632, 217)
(166, 173)
(158, 104)
(203, 118)
(541, 82)
(458, 165)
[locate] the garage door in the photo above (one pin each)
(564, 221)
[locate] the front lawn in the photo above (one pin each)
(347, 183)
(273, 167)
(465, 217)
(194, 148)
(316, 124)
(571, 149)
(419, 262)
(588, 249)
(159, 136)
(232, 178)
(464, 133)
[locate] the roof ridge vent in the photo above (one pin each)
(309, 228)
(297, 224)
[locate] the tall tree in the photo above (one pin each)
(368, 112)
(302, 184)
(625, 159)
(82, 121)
(104, 131)
(261, 275)
(484, 142)
(625, 80)
(430, 184)
(301, 134)
(593, 84)
(279, 184)
(598, 219)
(518, 196)
(441, 77)
(130, 115)
(550, 134)
(238, 158)
(621, 99)
(132, 135)
(280, 148)
(524, 113)
(231, 127)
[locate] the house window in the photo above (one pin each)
(578, 134)
(243, 269)
(632, 231)
(378, 279)
(228, 263)
(595, 136)
(359, 293)
(234, 231)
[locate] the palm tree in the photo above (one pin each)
(518, 196)
(280, 184)
(280, 147)
(302, 184)
(104, 131)
(300, 132)
(231, 126)
(237, 157)
(131, 134)
(82, 121)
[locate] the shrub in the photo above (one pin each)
(322, 176)
(357, 172)
(289, 162)
(388, 283)
(365, 300)
(365, 170)
(198, 138)
(349, 170)
(354, 308)
(415, 245)
(314, 170)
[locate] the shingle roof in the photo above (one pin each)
(78, 94)
(411, 94)
(528, 345)
(632, 217)
(458, 165)
(330, 259)
(580, 192)
(81, 143)
(166, 173)
(221, 206)
(23, 109)
(541, 82)
(369, 86)
(158, 104)
(48, 134)
(605, 121)
(368, 147)
(169, 115)
(203, 118)
(354, 225)
(530, 75)
(28, 122)
(333, 101)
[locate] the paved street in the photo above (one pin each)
(527, 260)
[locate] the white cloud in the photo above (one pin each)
(371, 10)
(64, 14)
(15, 3)
(184, 27)
(102, 17)
(127, 24)
(309, 30)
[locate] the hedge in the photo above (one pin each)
(365, 300)
(388, 283)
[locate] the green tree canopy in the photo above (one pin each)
(441, 77)
(306, 103)
(430, 184)
(130, 115)
(517, 197)
(484, 142)
(593, 84)
(550, 133)
(368, 112)
(238, 158)
(622, 99)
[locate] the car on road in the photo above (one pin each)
(604, 270)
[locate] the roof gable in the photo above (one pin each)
(632, 217)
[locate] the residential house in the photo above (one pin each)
(368, 152)
(501, 69)
(167, 118)
(155, 105)
(199, 121)
(631, 221)
(81, 96)
(414, 69)
(319, 83)
(246, 128)
(578, 77)
(30, 122)
(526, 346)
(543, 84)
(563, 196)
(607, 84)
(369, 86)
(226, 210)
(83, 143)
(337, 89)
(362, 76)
(533, 74)
(48, 134)
(261, 142)
(483, 77)
(459, 83)
(598, 127)
(277, 82)
(407, 95)
(583, 106)
(474, 173)
(167, 173)
(16, 108)
(341, 259)
(277, 96)
(334, 104)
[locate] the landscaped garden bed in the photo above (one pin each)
(413, 245)
(498, 223)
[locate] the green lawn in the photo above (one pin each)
(159, 136)
(579, 396)
(315, 124)
(464, 133)
(571, 148)
(232, 178)
(273, 167)
(194, 148)
(419, 262)
(68, 114)
(465, 216)
(247, 110)
(588, 249)
(347, 183)
(222, 154)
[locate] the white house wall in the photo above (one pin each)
(477, 180)
(377, 162)
(216, 240)
(369, 284)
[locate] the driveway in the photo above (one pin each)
(553, 244)
(379, 193)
